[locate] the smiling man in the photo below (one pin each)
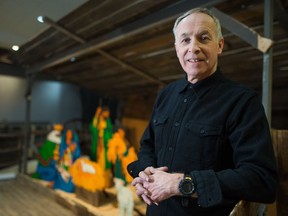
(198, 44)
(208, 143)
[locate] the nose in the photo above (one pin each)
(194, 46)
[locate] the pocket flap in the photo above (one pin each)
(203, 129)
(159, 119)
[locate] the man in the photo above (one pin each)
(208, 144)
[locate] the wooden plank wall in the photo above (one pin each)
(280, 141)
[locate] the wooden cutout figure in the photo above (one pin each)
(101, 131)
(124, 198)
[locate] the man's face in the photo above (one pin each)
(198, 46)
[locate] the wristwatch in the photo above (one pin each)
(186, 185)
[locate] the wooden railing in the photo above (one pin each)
(10, 148)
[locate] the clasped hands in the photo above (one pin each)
(154, 185)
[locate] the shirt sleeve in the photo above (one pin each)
(254, 176)
(146, 154)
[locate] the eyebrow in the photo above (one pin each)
(205, 32)
(183, 35)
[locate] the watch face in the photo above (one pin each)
(187, 187)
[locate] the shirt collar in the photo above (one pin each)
(201, 86)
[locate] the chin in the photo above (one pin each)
(193, 74)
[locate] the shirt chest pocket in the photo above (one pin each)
(160, 122)
(204, 142)
(203, 130)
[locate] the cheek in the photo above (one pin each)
(181, 59)
(180, 52)
(214, 52)
(180, 55)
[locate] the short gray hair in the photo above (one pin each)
(199, 10)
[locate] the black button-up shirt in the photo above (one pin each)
(216, 130)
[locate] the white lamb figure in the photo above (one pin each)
(124, 197)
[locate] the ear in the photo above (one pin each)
(220, 46)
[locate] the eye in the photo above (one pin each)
(204, 37)
(186, 40)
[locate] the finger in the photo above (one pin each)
(140, 189)
(135, 181)
(139, 193)
(146, 185)
(156, 203)
(148, 170)
(143, 176)
(146, 192)
(155, 170)
(164, 168)
(146, 199)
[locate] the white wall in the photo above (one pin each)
(52, 102)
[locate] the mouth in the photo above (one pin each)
(197, 60)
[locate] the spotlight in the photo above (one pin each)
(40, 19)
(73, 59)
(15, 47)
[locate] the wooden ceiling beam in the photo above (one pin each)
(8, 69)
(112, 58)
(244, 32)
(155, 19)
(102, 52)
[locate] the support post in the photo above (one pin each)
(267, 69)
(26, 144)
(268, 60)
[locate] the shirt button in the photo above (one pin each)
(177, 124)
(154, 120)
(170, 148)
(185, 100)
(202, 131)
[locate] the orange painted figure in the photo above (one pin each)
(120, 154)
(87, 174)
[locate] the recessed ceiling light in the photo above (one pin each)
(40, 19)
(15, 47)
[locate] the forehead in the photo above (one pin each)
(196, 22)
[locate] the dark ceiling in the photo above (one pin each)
(124, 48)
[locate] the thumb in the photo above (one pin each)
(163, 168)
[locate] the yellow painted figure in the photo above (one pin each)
(87, 174)
(121, 155)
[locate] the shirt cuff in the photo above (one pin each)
(207, 187)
